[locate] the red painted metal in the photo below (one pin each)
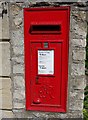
(46, 92)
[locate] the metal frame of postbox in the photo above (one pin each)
(40, 36)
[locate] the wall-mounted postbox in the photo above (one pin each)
(46, 41)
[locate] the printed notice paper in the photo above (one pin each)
(46, 62)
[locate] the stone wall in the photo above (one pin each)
(5, 63)
(13, 61)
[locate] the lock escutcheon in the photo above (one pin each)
(37, 80)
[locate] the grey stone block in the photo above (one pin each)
(17, 38)
(19, 105)
(78, 69)
(79, 54)
(22, 113)
(76, 105)
(0, 27)
(19, 83)
(78, 25)
(78, 83)
(5, 23)
(5, 93)
(5, 66)
(18, 60)
(6, 114)
(19, 95)
(18, 69)
(15, 8)
(76, 94)
(18, 21)
(78, 42)
(18, 50)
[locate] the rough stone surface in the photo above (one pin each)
(19, 98)
(1, 59)
(78, 83)
(6, 114)
(17, 38)
(5, 66)
(78, 42)
(79, 54)
(19, 105)
(19, 95)
(15, 9)
(5, 93)
(5, 22)
(18, 21)
(0, 28)
(76, 105)
(18, 50)
(23, 114)
(19, 83)
(78, 69)
(18, 59)
(18, 69)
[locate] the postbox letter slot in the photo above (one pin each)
(45, 29)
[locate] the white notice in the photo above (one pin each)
(46, 62)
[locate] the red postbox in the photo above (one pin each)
(46, 43)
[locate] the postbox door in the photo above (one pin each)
(46, 74)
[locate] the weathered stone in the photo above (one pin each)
(77, 94)
(78, 33)
(19, 95)
(78, 69)
(78, 114)
(79, 54)
(78, 42)
(62, 116)
(21, 113)
(79, 16)
(78, 27)
(75, 105)
(18, 60)
(18, 21)
(18, 1)
(15, 9)
(78, 83)
(5, 83)
(5, 23)
(82, 15)
(1, 59)
(41, 114)
(5, 93)
(0, 27)
(18, 50)
(17, 38)
(18, 105)
(19, 82)
(5, 66)
(18, 69)
(6, 114)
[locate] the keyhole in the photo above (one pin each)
(37, 78)
(46, 45)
